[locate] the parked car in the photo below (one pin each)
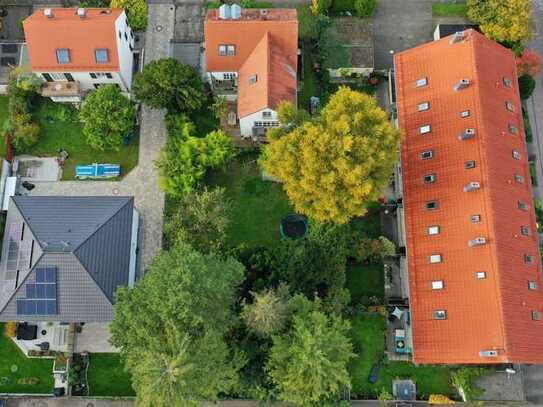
(374, 374)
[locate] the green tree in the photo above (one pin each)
(505, 21)
(200, 219)
(19, 126)
(365, 8)
(334, 167)
(169, 84)
(526, 86)
(171, 327)
(183, 162)
(268, 313)
(136, 11)
(308, 364)
(107, 116)
(320, 6)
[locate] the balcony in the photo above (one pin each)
(61, 89)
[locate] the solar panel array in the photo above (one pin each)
(41, 296)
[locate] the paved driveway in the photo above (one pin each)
(142, 182)
(400, 24)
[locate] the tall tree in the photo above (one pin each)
(505, 21)
(171, 327)
(332, 168)
(136, 11)
(308, 364)
(108, 117)
(169, 84)
(269, 311)
(200, 219)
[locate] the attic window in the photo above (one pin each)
(468, 165)
(528, 259)
(63, 55)
(440, 314)
(481, 275)
(425, 129)
(522, 206)
(532, 285)
(253, 79)
(230, 50)
(519, 179)
(509, 106)
(525, 230)
(423, 106)
(222, 50)
(536, 315)
(102, 56)
(426, 155)
(433, 230)
(464, 114)
(506, 82)
(516, 155)
(513, 129)
(421, 82)
(437, 285)
(431, 205)
(475, 218)
(435, 258)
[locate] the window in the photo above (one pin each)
(437, 285)
(228, 76)
(101, 55)
(266, 115)
(222, 50)
(475, 218)
(536, 315)
(253, 79)
(125, 36)
(532, 285)
(98, 75)
(440, 314)
(481, 275)
(266, 124)
(231, 50)
(425, 129)
(421, 82)
(506, 82)
(109, 76)
(432, 205)
(519, 179)
(435, 258)
(63, 55)
(525, 230)
(430, 178)
(426, 155)
(423, 106)
(513, 129)
(96, 85)
(120, 35)
(509, 106)
(516, 155)
(468, 165)
(433, 230)
(464, 114)
(58, 76)
(522, 206)
(528, 259)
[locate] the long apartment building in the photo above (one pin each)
(473, 261)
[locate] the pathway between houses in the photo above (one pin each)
(142, 181)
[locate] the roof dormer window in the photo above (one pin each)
(63, 55)
(101, 55)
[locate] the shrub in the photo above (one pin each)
(10, 329)
(365, 8)
(25, 134)
(464, 379)
(526, 86)
(136, 11)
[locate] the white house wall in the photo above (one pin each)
(246, 123)
(86, 83)
(126, 57)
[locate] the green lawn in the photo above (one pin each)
(365, 280)
(56, 134)
(15, 366)
(310, 81)
(258, 206)
(3, 117)
(368, 334)
(450, 9)
(106, 376)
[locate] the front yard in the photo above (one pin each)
(19, 374)
(258, 206)
(106, 376)
(450, 9)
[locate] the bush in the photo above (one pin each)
(526, 86)
(10, 329)
(464, 379)
(25, 134)
(340, 6)
(136, 11)
(365, 8)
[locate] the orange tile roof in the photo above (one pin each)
(276, 78)
(246, 33)
(494, 313)
(80, 35)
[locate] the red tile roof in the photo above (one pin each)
(494, 313)
(81, 36)
(266, 44)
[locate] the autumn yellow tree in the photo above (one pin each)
(506, 21)
(332, 167)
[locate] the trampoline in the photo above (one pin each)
(294, 226)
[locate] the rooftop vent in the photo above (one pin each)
(466, 134)
(472, 186)
(464, 83)
(478, 241)
(235, 11)
(488, 353)
(263, 12)
(225, 13)
(457, 37)
(48, 12)
(81, 12)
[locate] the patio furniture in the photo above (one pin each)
(44, 346)
(97, 171)
(27, 332)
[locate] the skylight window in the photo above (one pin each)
(253, 79)
(423, 106)
(102, 56)
(425, 129)
(440, 314)
(437, 285)
(433, 230)
(435, 258)
(426, 155)
(63, 55)
(481, 275)
(421, 82)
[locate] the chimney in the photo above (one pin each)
(466, 134)
(472, 186)
(464, 83)
(82, 13)
(457, 37)
(48, 12)
(478, 241)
